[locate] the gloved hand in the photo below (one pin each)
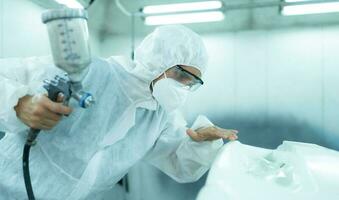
(212, 133)
(39, 112)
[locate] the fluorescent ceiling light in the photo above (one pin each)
(293, 1)
(316, 8)
(70, 3)
(185, 18)
(182, 7)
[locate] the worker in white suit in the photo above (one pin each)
(134, 118)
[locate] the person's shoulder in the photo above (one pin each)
(101, 66)
(120, 60)
(113, 64)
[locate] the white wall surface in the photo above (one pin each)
(22, 34)
(21, 31)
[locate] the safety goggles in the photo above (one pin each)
(190, 81)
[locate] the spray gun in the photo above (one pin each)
(69, 40)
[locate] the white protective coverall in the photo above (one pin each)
(90, 150)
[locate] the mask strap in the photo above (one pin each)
(153, 81)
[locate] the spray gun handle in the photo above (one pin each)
(56, 86)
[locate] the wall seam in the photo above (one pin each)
(323, 81)
(2, 21)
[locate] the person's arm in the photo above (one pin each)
(179, 156)
(20, 78)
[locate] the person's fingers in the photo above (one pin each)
(38, 125)
(228, 134)
(212, 133)
(194, 135)
(57, 107)
(41, 123)
(223, 133)
(60, 97)
(39, 98)
(62, 109)
(234, 131)
(44, 127)
(233, 137)
(225, 136)
(51, 116)
(44, 109)
(212, 138)
(228, 130)
(48, 123)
